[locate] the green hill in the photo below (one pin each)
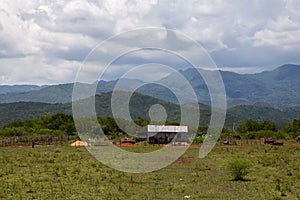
(28, 110)
(281, 116)
(139, 108)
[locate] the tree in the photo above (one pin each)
(251, 125)
(141, 122)
(293, 127)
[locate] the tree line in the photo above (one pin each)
(63, 125)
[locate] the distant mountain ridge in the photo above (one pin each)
(279, 87)
(5, 89)
(140, 105)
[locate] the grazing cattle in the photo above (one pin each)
(278, 143)
(272, 141)
(298, 138)
(269, 140)
(230, 141)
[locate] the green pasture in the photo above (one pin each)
(61, 172)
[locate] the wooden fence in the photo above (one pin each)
(35, 140)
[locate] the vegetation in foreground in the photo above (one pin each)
(72, 173)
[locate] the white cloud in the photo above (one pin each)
(55, 36)
(282, 32)
(245, 70)
(31, 72)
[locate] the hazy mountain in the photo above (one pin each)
(280, 87)
(51, 94)
(61, 93)
(4, 89)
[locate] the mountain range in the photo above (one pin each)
(4, 89)
(279, 87)
(270, 95)
(140, 105)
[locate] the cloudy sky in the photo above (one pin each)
(46, 41)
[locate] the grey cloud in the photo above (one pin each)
(236, 33)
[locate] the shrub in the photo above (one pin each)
(262, 133)
(198, 139)
(239, 168)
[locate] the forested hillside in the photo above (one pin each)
(139, 108)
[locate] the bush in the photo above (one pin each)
(251, 125)
(262, 134)
(239, 168)
(198, 139)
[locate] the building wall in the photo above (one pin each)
(165, 138)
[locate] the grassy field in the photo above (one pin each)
(72, 173)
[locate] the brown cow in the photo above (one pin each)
(298, 138)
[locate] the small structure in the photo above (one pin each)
(127, 142)
(163, 134)
(79, 144)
